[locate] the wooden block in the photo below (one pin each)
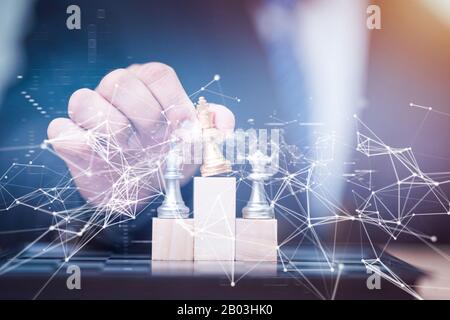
(214, 218)
(235, 268)
(256, 268)
(256, 240)
(215, 269)
(173, 239)
(173, 268)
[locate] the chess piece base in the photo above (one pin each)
(256, 240)
(209, 171)
(214, 218)
(176, 211)
(173, 239)
(258, 212)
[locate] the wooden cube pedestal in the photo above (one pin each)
(173, 239)
(256, 240)
(214, 218)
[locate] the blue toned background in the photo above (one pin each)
(343, 69)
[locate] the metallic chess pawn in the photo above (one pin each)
(214, 162)
(258, 207)
(173, 206)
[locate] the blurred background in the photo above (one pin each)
(307, 65)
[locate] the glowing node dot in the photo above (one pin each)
(52, 228)
(217, 77)
(233, 284)
(433, 239)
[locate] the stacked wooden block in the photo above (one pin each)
(214, 233)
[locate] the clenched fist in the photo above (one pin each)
(118, 134)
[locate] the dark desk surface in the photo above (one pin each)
(434, 261)
(304, 274)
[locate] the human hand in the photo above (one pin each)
(117, 135)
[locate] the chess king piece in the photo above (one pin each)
(173, 206)
(214, 162)
(258, 207)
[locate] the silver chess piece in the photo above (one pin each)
(173, 206)
(258, 207)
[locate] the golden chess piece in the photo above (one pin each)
(214, 162)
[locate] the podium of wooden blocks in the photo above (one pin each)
(214, 218)
(214, 234)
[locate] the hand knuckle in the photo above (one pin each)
(114, 79)
(156, 71)
(78, 99)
